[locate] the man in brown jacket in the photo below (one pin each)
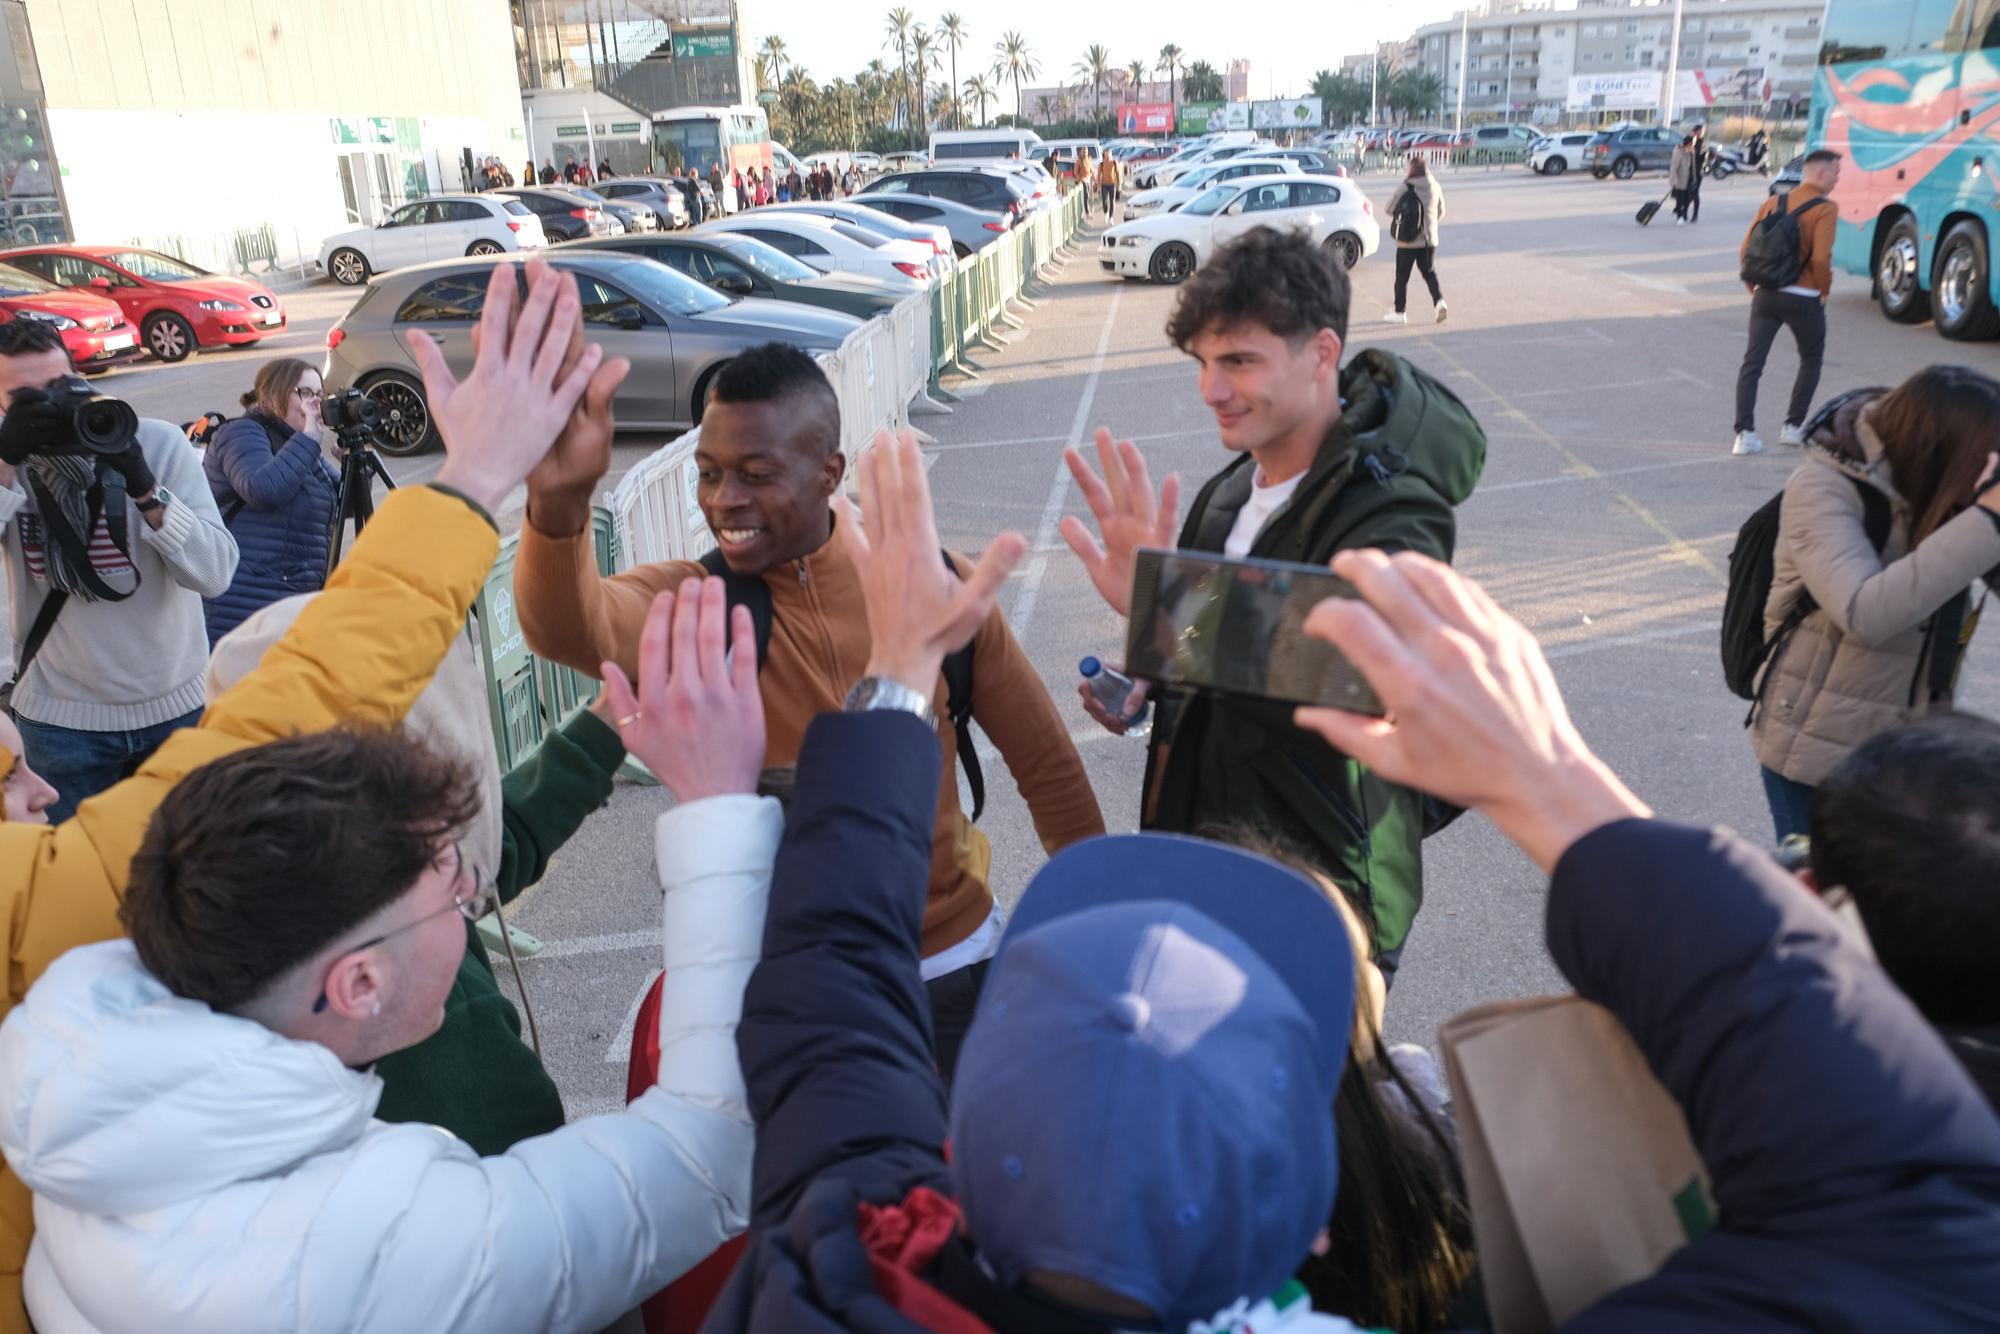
(1799, 306)
(769, 463)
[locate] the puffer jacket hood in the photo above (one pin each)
(1400, 420)
(124, 1098)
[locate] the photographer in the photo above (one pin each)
(108, 558)
(273, 481)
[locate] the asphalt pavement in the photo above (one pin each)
(1601, 359)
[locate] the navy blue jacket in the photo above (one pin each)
(287, 494)
(1855, 1167)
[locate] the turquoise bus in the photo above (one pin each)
(1908, 92)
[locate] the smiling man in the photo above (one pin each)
(770, 464)
(1328, 459)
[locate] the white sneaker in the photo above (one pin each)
(1793, 435)
(1395, 317)
(1441, 311)
(1747, 443)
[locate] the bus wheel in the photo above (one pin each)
(1963, 293)
(1897, 290)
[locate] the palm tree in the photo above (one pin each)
(1012, 59)
(1095, 71)
(1172, 59)
(981, 92)
(798, 93)
(1135, 75)
(1202, 84)
(899, 22)
(1045, 109)
(951, 31)
(775, 58)
(923, 56)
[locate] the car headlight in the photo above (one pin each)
(218, 304)
(49, 318)
(1133, 241)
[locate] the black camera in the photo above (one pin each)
(67, 417)
(350, 412)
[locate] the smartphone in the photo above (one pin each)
(1237, 625)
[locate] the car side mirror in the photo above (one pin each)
(735, 284)
(628, 317)
(101, 283)
(1234, 208)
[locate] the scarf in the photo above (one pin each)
(68, 495)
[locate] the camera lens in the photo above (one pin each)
(106, 425)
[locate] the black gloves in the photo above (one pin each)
(31, 421)
(131, 461)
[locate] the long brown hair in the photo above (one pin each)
(1937, 428)
(275, 385)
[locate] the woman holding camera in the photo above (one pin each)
(276, 486)
(1886, 525)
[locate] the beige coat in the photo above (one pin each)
(1431, 194)
(1858, 665)
(1681, 170)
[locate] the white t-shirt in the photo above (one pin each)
(1263, 503)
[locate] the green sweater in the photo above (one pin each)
(475, 1076)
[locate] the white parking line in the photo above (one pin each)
(1601, 476)
(619, 1046)
(605, 944)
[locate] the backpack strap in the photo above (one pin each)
(743, 590)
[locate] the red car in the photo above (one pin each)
(92, 327)
(175, 306)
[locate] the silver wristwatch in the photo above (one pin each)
(879, 692)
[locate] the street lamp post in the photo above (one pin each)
(1465, 64)
(1673, 69)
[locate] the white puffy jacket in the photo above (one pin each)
(197, 1171)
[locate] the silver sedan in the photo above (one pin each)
(677, 333)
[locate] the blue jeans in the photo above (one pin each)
(1791, 804)
(79, 765)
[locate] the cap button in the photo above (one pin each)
(1131, 1012)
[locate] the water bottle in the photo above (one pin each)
(1113, 688)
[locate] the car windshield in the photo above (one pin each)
(591, 195)
(768, 260)
(19, 282)
(666, 289)
(1214, 201)
(155, 266)
(1199, 177)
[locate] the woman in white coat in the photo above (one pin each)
(205, 1169)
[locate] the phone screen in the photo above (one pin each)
(1237, 626)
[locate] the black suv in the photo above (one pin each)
(996, 192)
(565, 216)
(1624, 153)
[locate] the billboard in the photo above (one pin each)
(1731, 87)
(1614, 92)
(1288, 113)
(690, 43)
(1201, 117)
(1235, 116)
(1145, 118)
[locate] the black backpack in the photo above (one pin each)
(1745, 648)
(749, 590)
(1772, 258)
(1406, 223)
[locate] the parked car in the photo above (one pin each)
(676, 332)
(664, 198)
(832, 246)
(631, 217)
(971, 229)
(1168, 198)
(1626, 152)
(868, 161)
(1436, 139)
(1168, 247)
(565, 215)
(1170, 171)
(993, 192)
(1793, 175)
(905, 161)
(1554, 154)
(1512, 137)
(94, 331)
(434, 228)
(1311, 161)
(175, 306)
(933, 238)
(737, 265)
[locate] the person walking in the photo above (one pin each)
(1416, 213)
(1788, 286)
(528, 175)
(690, 187)
(1698, 149)
(1108, 181)
(548, 172)
(719, 189)
(1881, 531)
(275, 484)
(1677, 177)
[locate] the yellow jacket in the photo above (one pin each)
(363, 651)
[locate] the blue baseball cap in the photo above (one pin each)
(1145, 1099)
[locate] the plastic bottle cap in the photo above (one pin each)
(1090, 667)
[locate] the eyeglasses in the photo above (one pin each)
(308, 395)
(474, 894)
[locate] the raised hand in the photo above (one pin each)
(696, 720)
(561, 485)
(1474, 713)
(1127, 514)
(918, 611)
(501, 419)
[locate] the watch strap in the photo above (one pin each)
(872, 693)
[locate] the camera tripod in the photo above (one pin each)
(355, 496)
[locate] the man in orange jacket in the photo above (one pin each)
(1799, 305)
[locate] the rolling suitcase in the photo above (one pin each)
(1648, 209)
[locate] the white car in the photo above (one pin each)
(1169, 247)
(1171, 171)
(1168, 198)
(905, 161)
(832, 246)
(440, 227)
(868, 162)
(931, 235)
(1555, 154)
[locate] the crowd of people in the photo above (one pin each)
(253, 815)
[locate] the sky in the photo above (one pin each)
(1285, 41)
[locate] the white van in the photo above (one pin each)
(953, 147)
(1067, 147)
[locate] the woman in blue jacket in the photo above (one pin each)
(276, 490)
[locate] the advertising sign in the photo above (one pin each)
(1614, 92)
(1289, 113)
(693, 42)
(1201, 117)
(1731, 87)
(1145, 118)
(1235, 116)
